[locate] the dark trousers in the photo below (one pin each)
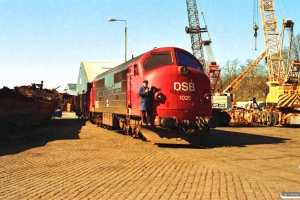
(146, 116)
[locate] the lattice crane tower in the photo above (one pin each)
(195, 31)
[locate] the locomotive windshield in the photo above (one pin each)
(188, 60)
(158, 59)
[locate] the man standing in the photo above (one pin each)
(146, 97)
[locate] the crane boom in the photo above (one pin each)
(271, 37)
(239, 79)
(284, 89)
(278, 70)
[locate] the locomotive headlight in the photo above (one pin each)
(184, 70)
(207, 97)
(159, 97)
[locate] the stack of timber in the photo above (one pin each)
(27, 106)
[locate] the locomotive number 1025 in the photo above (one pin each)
(185, 98)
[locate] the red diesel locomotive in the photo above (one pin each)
(182, 110)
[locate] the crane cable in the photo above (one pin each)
(204, 20)
(255, 20)
(284, 8)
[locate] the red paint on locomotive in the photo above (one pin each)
(181, 101)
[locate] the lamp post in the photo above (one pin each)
(125, 40)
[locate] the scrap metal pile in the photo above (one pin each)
(27, 106)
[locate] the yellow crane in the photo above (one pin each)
(284, 90)
(283, 100)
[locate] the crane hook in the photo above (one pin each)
(255, 28)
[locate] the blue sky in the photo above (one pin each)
(47, 39)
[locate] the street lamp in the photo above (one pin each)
(125, 42)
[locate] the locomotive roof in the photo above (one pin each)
(133, 60)
(92, 69)
(123, 65)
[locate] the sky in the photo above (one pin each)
(48, 39)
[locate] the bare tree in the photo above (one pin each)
(230, 71)
(254, 85)
(295, 49)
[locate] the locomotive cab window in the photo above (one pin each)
(188, 60)
(136, 73)
(158, 59)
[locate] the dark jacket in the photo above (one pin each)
(145, 98)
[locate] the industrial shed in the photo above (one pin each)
(88, 71)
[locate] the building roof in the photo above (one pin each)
(93, 69)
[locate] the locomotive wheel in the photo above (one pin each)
(127, 129)
(121, 125)
(124, 128)
(136, 133)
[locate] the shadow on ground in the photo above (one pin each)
(56, 129)
(221, 138)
